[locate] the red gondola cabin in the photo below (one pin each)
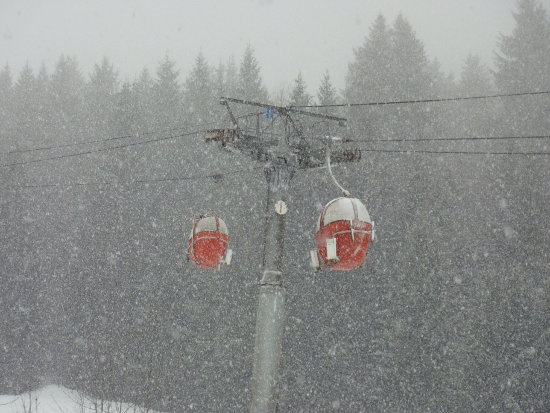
(344, 231)
(208, 243)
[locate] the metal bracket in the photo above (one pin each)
(279, 175)
(272, 277)
(220, 135)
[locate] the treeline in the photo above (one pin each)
(64, 105)
(391, 64)
(464, 271)
(450, 312)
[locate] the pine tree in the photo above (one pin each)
(199, 94)
(21, 260)
(142, 91)
(5, 80)
(475, 117)
(326, 94)
(369, 79)
(444, 84)
(167, 96)
(218, 80)
(6, 119)
(126, 110)
(132, 117)
(231, 77)
(250, 85)
(5, 84)
(443, 120)
(220, 88)
(475, 79)
(390, 65)
(369, 74)
(101, 98)
(299, 95)
(43, 104)
(67, 99)
(523, 65)
(410, 80)
(409, 64)
(25, 108)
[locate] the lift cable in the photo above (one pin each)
(346, 140)
(164, 138)
(436, 139)
(134, 135)
(470, 138)
(136, 181)
(196, 177)
(296, 106)
(171, 137)
(409, 151)
(403, 102)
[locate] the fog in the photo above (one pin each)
(116, 152)
(288, 36)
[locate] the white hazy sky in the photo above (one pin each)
(288, 35)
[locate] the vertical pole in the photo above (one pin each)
(271, 300)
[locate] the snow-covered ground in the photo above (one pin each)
(57, 399)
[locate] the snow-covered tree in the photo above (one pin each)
(5, 101)
(390, 65)
(218, 80)
(67, 98)
(25, 105)
(5, 79)
(144, 97)
(43, 105)
(101, 98)
(299, 95)
(125, 114)
(231, 77)
(410, 79)
(250, 85)
(475, 118)
(199, 94)
(475, 79)
(167, 96)
(369, 74)
(523, 65)
(326, 94)
(409, 63)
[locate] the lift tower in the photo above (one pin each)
(276, 136)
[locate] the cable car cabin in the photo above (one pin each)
(344, 231)
(208, 243)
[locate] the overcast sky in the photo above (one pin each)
(288, 35)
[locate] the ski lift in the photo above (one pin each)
(208, 243)
(344, 231)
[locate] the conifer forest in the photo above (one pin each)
(101, 174)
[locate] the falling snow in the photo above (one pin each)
(102, 172)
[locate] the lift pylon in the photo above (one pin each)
(277, 137)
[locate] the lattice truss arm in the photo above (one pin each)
(273, 130)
